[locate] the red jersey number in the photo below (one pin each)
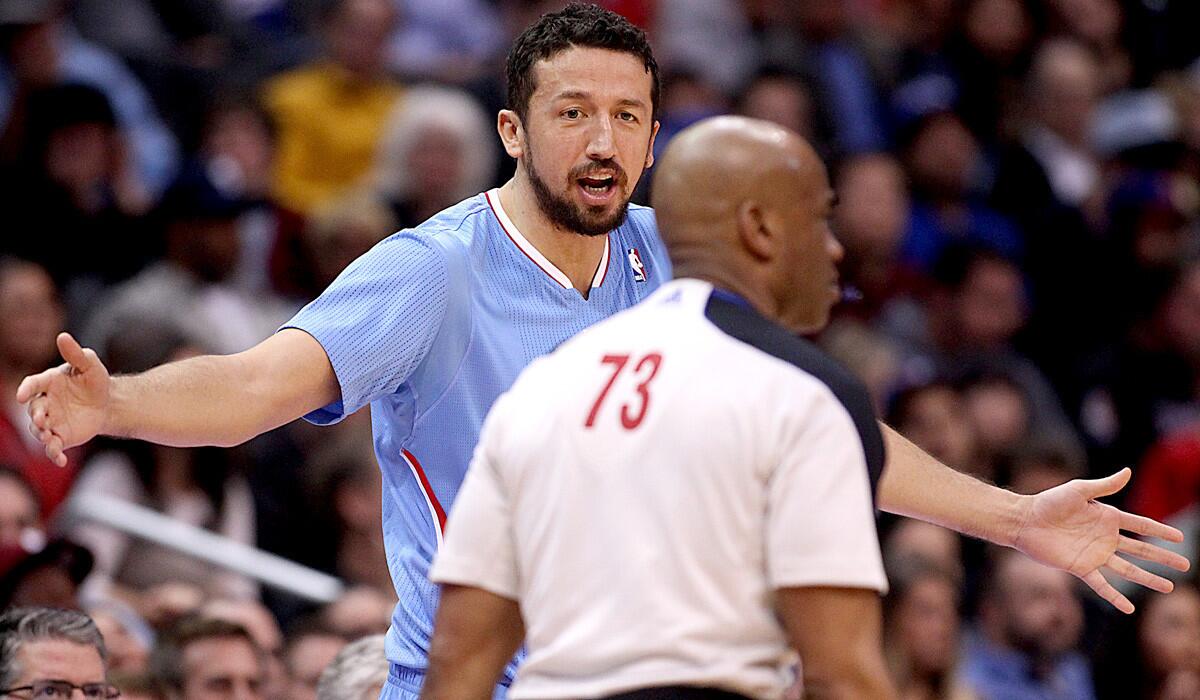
(634, 410)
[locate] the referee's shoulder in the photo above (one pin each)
(796, 353)
(804, 357)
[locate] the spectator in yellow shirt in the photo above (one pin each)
(331, 113)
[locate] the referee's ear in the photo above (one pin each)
(753, 230)
(508, 125)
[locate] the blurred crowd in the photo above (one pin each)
(1019, 200)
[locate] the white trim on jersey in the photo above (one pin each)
(598, 278)
(493, 198)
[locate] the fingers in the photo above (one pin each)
(1151, 528)
(1138, 575)
(55, 449)
(38, 413)
(75, 355)
(40, 428)
(38, 419)
(1154, 553)
(1099, 488)
(41, 435)
(91, 359)
(33, 385)
(1095, 581)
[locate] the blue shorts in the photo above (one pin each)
(405, 684)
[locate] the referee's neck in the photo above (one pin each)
(749, 288)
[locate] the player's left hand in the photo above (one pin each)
(1066, 528)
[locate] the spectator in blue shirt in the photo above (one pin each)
(1029, 628)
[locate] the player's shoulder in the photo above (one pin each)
(460, 224)
(640, 221)
(641, 239)
(447, 235)
(642, 214)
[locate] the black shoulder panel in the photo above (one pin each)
(744, 324)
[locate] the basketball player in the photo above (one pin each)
(647, 499)
(434, 323)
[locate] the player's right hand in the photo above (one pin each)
(69, 404)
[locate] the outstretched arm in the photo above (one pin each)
(1064, 527)
(210, 400)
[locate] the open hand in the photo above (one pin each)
(1065, 527)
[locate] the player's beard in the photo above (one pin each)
(562, 212)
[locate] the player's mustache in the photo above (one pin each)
(599, 168)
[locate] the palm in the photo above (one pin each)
(1065, 527)
(1068, 531)
(78, 399)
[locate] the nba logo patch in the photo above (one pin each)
(636, 264)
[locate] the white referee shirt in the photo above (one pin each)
(645, 488)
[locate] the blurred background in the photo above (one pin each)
(1019, 186)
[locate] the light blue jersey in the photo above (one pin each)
(429, 328)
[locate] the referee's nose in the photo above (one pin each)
(834, 247)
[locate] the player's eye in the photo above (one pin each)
(627, 116)
(572, 113)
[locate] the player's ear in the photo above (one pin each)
(508, 125)
(753, 231)
(650, 149)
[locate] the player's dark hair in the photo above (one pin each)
(578, 24)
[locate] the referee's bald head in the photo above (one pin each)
(745, 203)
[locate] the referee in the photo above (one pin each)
(666, 504)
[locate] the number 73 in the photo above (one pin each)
(631, 414)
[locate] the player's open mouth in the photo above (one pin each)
(598, 190)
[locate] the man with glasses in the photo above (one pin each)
(48, 654)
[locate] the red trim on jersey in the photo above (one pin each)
(500, 220)
(428, 490)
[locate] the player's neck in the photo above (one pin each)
(576, 255)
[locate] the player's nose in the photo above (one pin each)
(600, 141)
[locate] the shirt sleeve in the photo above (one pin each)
(820, 516)
(479, 549)
(378, 320)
